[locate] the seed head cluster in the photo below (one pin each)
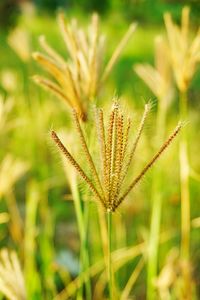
(78, 79)
(184, 52)
(116, 154)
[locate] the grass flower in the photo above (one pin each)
(116, 154)
(78, 79)
(12, 283)
(108, 185)
(184, 53)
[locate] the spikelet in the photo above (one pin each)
(184, 53)
(79, 79)
(107, 184)
(158, 78)
(12, 284)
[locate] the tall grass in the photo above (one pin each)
(184, 56)
(159, 80)
(113, 255)
(107, 187)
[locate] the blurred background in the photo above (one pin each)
(37, 216)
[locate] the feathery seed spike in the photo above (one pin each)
(109, 148)
(103, 151)
(118, 161)
(75, 165)
(112, 152)
(150, 164)
(126, 137)
(86, 151)
(137, 138)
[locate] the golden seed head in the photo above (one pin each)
(107, 184)
(78, 80)
(184, 53)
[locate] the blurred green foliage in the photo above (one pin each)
(144, 11)
(152, 10)
(9, 11)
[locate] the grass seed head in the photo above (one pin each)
(12, 283)
(79, 79)
(107, 183)
(184, 53)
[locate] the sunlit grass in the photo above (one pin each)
(38, 217)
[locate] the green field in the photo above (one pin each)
(51, 219)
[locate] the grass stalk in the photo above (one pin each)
(152, 265)
(133, 278)
(120, 257)
(103, 232)
(32, 277)
(110, 275)
(85, 253)
(82, 221)
(185, 198)
(154, 242)
(45, 244)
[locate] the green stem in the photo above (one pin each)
(86, 253)
(82, 220)
(110, 277)
(153, 246)
(185, 194)
(154, 243)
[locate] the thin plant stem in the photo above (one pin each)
(153, 242)
(82, 222)
(134, 276)
(86, 251)
(79, 217)
(152, 266)
(185, 197)
(30, 268)
(110, 276)
(103, 232)
(120, 258)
